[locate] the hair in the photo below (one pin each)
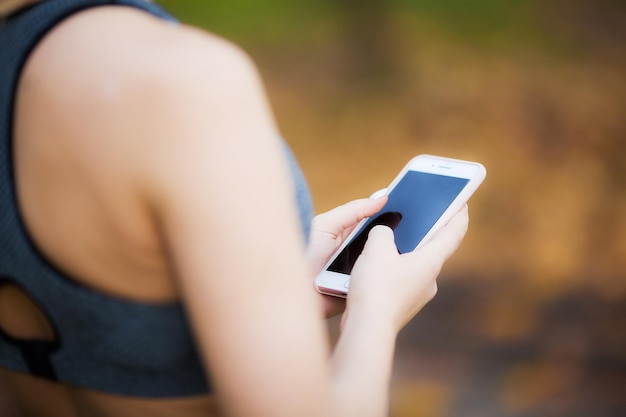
(9, 6)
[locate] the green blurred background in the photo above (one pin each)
(530, 319)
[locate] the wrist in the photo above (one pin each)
(375, 320)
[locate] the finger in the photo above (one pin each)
(380, 240)
(446, 241)
(378, 193)
(348, 215)
(333, 306)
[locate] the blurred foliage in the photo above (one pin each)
(250, 21)
(531, 315)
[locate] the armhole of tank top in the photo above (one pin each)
(25, 236)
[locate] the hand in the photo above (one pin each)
(396, 286)
(329, 230)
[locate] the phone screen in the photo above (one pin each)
(414, 206)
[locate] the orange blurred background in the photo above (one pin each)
(530, 319)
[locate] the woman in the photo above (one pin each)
(154, 257)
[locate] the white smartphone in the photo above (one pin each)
(422, 198)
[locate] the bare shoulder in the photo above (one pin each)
(118, 55)
(116, 31)
(137, 77)
(118, 50)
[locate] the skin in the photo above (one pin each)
(133, 152)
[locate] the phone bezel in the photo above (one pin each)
(337, 284)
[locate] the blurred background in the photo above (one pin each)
(530, 319)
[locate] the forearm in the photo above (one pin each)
(362, 363)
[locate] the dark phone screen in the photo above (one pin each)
(414, 206)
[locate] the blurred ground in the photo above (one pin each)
(530, 319)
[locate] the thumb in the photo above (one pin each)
(380, 240)
(448, 239)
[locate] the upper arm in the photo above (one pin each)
(217, 183)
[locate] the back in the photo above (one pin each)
(77, 244)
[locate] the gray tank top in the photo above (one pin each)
(103, 342)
